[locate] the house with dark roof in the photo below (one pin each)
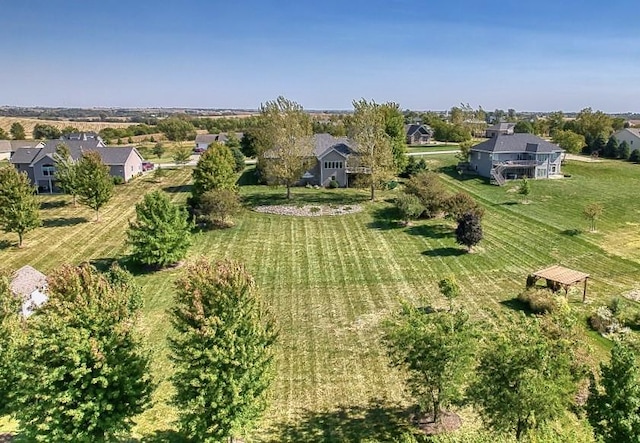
(8, 147)
(500, 129)
(418, 134)
(39, 162)
(331, 163)
(505, 157)
(204, 140)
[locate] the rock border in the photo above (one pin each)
(309, 210)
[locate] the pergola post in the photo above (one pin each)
(584, 291)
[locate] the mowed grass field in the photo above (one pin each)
(29, 123)
(331, 280)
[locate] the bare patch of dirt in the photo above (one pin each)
(449, 421)
(6, 438)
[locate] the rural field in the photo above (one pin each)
(331, 280)
(29, 123)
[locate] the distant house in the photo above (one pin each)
(204, 140)
(500, 129)
(505, 157)
(39, 162)
(82, 136)
(629, 135)
(418, 134)
(31, 286)
(332, 155)
(8, 147)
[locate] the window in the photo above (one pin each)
(48, 170)
(325, 165)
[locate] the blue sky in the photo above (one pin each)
(542, 55)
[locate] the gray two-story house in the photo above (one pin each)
(39, 162)
(505, 157)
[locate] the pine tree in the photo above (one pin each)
(222, 351)
(524, 189)
(469, 230)
(95, 185)
(161, 234)
(83, 373)
(19, 206)
(613, 407)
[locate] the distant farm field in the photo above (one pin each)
(331, 280)
(29, 123)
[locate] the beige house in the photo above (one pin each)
(39, 162)
(629, 135)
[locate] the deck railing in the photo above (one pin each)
(357, 170)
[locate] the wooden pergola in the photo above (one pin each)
(560, 277)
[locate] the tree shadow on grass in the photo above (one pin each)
(374, 422)
(509, 203)
(517, 305)
(432, 231)
(53, 204)
(445, 252)
(571, 232)
(386, 218)
(177, 189)
(249, 177)
(5, 244)
(61, 221)
(164, 436)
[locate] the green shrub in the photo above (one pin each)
(635, 156)
(118, 180)
(314, 209)
(541, 301)
(333, 184)
(409, 207)
(392, 184)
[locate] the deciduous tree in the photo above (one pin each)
(66, 171)
(372, 145)
(592, 212)
(43, 131)
(428, 187)
(222, 350)
(95, 185)
(569, 141)
(158, 150)
(215, 207)
(182, 156)
(177, 129)
(524, 190)
(161, 234)
(469, 230)
(288, 135)
(523, 381)
(3, 134)
(215, 170)
(409, 207)
(436, 350)
(17, 131)
(394, 128)
(83, 374)
(19, 206)
(10, 335)
(613, 407)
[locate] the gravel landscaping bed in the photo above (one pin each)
(309, 210)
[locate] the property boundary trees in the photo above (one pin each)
(19, 206)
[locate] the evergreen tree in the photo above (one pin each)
(635, 156)
(611, 148)
(215, 170)
(613, 407)
(161, 234)
(238, 158)
(524, 380)
(66, 172)
(469, 230)
(19, 206)
(95, 185)
(624, 151)
(409, 207)
(83, 374)
(17, 131)
(222, 351)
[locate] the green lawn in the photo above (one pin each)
(432, 148)
(330, 280)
